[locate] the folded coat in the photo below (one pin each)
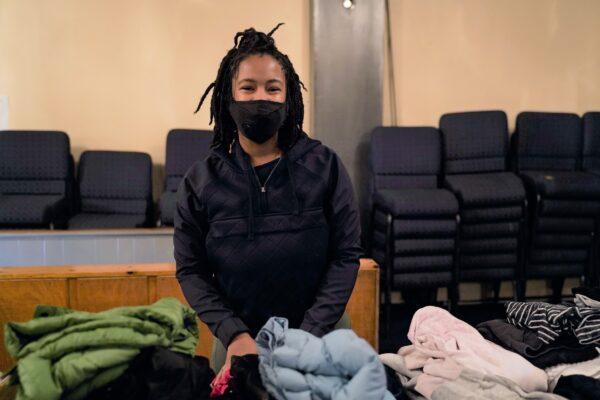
(67, 354)
(296, 365)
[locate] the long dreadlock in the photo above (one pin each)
(252, 42)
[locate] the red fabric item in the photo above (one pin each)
(219, 384)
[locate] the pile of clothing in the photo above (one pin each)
(128, 352)
(148, 352)
(538, 351)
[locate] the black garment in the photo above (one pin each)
(564, 350)
(592, 293)
(160, 374)
(578, 387)
(292, 251)
(245, 382)
(394, 386)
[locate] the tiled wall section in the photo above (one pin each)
(97, 247)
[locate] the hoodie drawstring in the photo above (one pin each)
(250, 206)
(295, 195)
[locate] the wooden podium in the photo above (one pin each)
(100, 287)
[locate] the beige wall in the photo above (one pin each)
(455, 55)
(118, 74)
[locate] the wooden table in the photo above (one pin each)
(100, 287)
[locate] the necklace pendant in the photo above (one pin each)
(262, 189)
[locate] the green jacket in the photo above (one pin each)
(66, 354)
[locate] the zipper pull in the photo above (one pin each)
(262, 189)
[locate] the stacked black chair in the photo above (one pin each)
(115, 190)
(591, 142)
(591, 163)
(36, 179)
(564, 201)
(414, 222)
(184, 148)
(491, 199)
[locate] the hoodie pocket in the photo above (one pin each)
(270, 223)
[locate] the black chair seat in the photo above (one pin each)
(499, 245)
(557, 240)
(552, 270)
(492, 214)
(500, 260)
(418, 228)
(423, 280)
(108, 221)
(489, 230)
(490, 189)
(556, 256)
(564, 184)
(30, 209)
(569, 208)
(416, 203)
(564, 225)
(415, 246)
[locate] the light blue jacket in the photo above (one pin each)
(296, 365)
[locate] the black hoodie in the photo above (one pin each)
(244, 255)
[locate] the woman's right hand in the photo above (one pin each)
(241, 345)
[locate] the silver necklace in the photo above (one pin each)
(263, 188)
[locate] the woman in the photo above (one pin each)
(266, 225)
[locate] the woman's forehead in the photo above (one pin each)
(260, 68)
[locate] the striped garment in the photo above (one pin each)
(550, 321)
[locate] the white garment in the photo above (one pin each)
(473, 385)
(589, 368)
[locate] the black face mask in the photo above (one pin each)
(258, 120)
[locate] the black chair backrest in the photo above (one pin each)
(35, 162)
(591, 141)
(184, 148)
(548, 141)
(405, 157)
(115, 182)
(474, 142)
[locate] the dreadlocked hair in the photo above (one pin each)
(247, 43)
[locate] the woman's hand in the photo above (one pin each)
(241, 345)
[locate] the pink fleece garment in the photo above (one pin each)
(219, 386)
(442, 345)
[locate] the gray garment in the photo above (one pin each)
(218, 354)
(584, 301)
(473, 385)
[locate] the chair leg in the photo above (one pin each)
(520, 289)
(453, 297)
(496, 290)
(389, 267)
(557, 287)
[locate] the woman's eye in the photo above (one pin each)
(274, 90)
(247, 88)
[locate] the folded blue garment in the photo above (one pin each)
(296, 365)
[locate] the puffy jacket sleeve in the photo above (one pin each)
(344, 254)
(194, 272)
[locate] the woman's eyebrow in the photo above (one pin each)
(247, 80)
(274, 81)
